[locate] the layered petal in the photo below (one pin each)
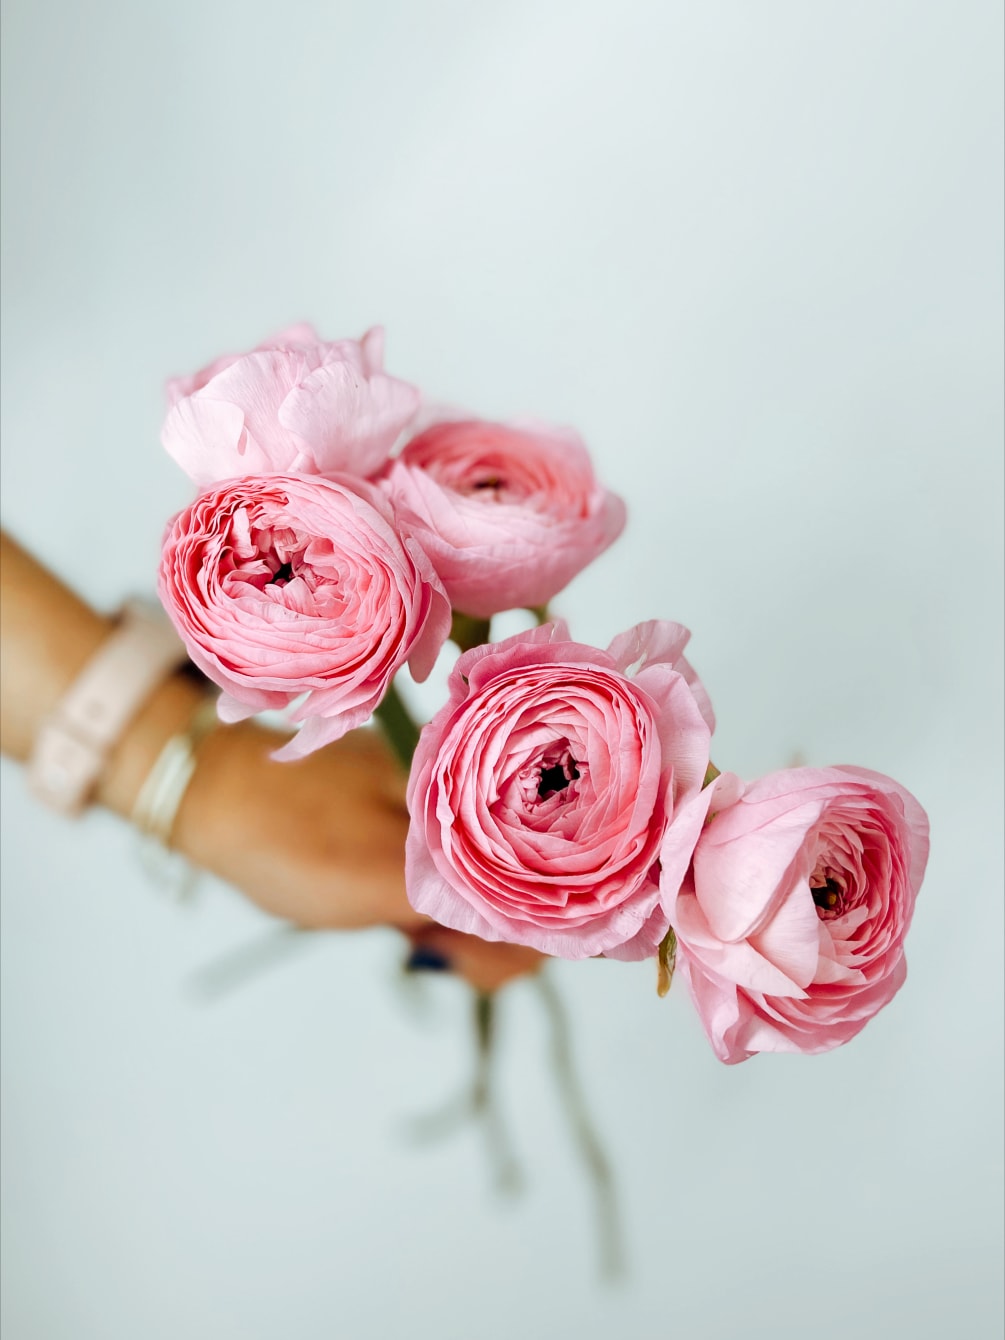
(292, 590)
(509, 513)
(541, 794)
(792, 917)
(295, 404)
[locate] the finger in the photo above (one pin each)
(487, 965)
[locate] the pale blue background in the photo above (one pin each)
(754, 252)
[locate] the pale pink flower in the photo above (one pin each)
(294, 405)
(509, 513)
(542, 791)
(791, 921)
(284, 587)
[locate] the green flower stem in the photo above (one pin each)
(399, 727)
(484, 1101)
(479, 1101)
(467, 632)
(590, 1149)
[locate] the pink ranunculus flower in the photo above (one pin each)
(791, 921)
(542, 791)
(294, 405)
(508, 513)
(287, 586)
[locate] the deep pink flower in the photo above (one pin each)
(282, 586)
(293, 405)
(541, 793)
(508, 513)
(791, 922)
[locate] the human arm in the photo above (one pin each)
(318, 842)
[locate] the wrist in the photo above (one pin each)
(47, 637)
(167, 712)
(74, 742)
(32, 687)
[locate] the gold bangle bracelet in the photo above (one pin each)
(159, 799)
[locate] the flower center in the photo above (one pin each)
(488, 486)
(289, 567)
(829, 888)
(557, 777)
(282, 575)
(826, 895)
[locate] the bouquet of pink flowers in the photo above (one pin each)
(563, 797)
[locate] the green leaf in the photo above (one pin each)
(666, 958)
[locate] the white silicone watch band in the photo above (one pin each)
(75, 740)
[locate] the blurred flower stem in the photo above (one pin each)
(399, 726)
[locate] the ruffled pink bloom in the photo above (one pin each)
(791, 922)
(509, 514)
(285, 586)
(294, 405)
(540, 794)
